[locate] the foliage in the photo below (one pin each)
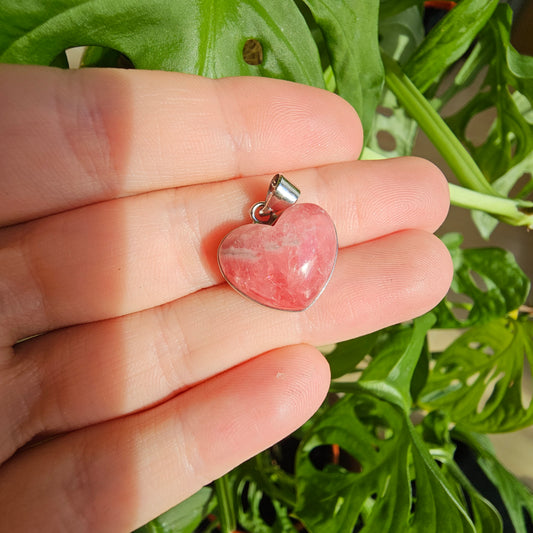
(381, 453)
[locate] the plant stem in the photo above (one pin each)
(510, 211)
(226, 508)
(438, 132)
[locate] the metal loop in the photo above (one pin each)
(262, 218)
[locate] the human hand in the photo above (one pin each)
(150, 376)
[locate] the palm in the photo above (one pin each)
(152, 375)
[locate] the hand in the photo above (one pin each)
(143, 376)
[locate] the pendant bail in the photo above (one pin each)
(281, 195)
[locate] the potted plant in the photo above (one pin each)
(386, 452)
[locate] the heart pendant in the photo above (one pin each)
(284, 262)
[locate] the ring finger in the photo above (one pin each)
(151, 355)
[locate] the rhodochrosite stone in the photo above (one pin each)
(286, 265)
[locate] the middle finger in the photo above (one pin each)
(126, 255)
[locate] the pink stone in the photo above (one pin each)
(284, 266)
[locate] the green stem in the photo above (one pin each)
(226, 508)
(518, 213)
(438, 132)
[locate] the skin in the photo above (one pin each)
(147, 376)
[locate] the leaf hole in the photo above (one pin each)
(267, 511)
(470, 380)
(468, 501)
(474, 345)
(74, 56)
(386, 141)
(385, 111)
(252, 52)
(244, 496)
(332, 458)
(359, 525)
(478, 126)
(460, 305)
(528, 519)
(449, 368)
(488, 350)
(365, 361)
(366, 509)
(478, 281)
(413, 497)
(488, 392)
(283, 454)
(375, 424)
(522, 187)
(489, 375)
(102, 56)
(383, 432)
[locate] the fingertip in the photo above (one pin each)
(312, 381)
(437, 186)
(429, 278)
(443, 261)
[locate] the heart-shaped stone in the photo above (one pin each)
(286, 265)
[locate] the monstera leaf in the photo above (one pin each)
(208, 37)
(478, 379)
(489, 281)
(384, 480)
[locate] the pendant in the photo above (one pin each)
(285, 258)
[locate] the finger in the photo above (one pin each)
(117, 476)
(72, 138)
(126, 255)
(151, 355)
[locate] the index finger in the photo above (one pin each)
(71, 138)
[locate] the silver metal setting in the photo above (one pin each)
(281, 195)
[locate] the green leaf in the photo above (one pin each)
(436, 434)
(351, 35)
(185, 517)
(505, 155)
(478, 379)
(448, 41)
(399, 36)
(384, 480)
(203, 37)
(510, 138)
(389, 374)
(488, 284)
(517, 499)
(390, 8)
(348, 354)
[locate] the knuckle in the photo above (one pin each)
(86, 123)
(79, 490)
